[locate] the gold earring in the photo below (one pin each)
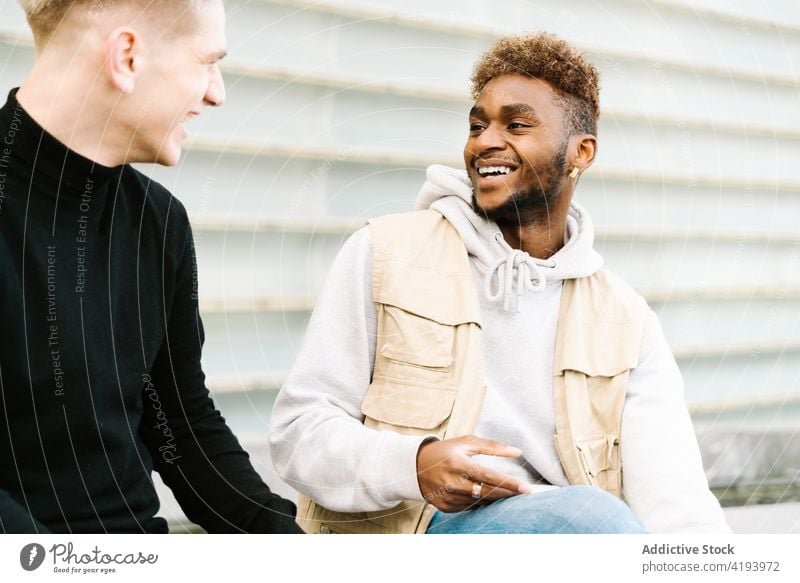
(574, 173)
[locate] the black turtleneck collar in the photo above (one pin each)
(65, 172)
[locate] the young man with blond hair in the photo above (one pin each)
(100, 374)
(470, 367)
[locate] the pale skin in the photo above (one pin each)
(116, 86)
(516, 122)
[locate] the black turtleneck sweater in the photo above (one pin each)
(100, 342)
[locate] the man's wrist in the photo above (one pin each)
(423, 443)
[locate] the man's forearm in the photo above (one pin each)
(192, 447)
(215, 483)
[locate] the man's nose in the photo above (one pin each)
(215, 94)
(491, 138)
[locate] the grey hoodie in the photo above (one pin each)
(449, 191)
(320, 446)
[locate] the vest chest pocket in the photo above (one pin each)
(413, 388)
(412, 347)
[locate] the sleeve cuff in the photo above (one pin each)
(395, 474)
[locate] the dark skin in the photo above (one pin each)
(517, 121)
(517, 124)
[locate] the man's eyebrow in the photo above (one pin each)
(518, 108)
(477, 111)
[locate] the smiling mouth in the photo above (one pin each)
(494, 171)
(493, 168)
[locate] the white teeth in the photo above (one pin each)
(494, 170)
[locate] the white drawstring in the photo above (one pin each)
(525, 266)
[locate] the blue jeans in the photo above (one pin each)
(568, 510)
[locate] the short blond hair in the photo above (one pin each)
(44, 16)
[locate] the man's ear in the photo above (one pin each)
(123, 58)
(583, 149)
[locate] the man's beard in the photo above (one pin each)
(532, 206)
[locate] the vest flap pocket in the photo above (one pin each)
(415, 340)
(437, 295)
(408, 406)
(599, 349)
(598, 455)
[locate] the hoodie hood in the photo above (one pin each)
(507, 272)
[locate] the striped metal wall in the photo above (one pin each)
(335, 108)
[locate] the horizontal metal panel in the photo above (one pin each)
(271, 111)
(241, 265)
(214, 306)
(550, 15)
(250, 343)
(314, 40)
(242, 383)
(217, 187)
(782, 13)
(769, 411)
(679, 151)
(274, 111)
(674, 265)
(228, 185)
(629, 31)
(651, 207)
(657, 90)
(734, 378)
(278, 31)
(728, 324)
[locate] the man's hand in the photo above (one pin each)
(447, 474)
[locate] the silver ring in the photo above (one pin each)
(476, 490)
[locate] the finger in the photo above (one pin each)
(493, 478)
(492, 493)
(479, 445)
(486, 491)
(458, 501)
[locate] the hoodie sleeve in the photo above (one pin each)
(664, 481)
(317, 440)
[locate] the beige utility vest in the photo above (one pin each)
(428, 377)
